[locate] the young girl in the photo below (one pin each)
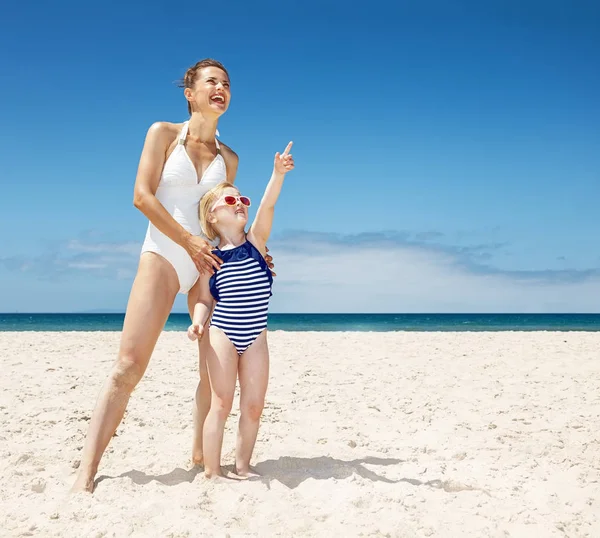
(236, 340)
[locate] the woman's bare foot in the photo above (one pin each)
(198, 459)
(84, 483)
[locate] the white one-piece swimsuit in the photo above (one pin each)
(179, 191)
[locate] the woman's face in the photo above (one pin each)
(211, 93)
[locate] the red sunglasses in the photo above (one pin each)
(232, 200)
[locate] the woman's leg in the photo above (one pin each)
(202, 397)
(253, 372)
(222, 363)
(150, 302)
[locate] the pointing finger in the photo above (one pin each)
(287, 149)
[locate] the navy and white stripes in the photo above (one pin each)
(242, 288)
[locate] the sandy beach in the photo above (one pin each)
(364, 434)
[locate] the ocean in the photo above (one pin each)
(326, 322)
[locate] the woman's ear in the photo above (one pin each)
(187, 92)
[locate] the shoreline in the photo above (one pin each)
(380, 323)
(331, 331)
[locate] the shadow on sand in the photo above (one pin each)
(292, 471)
(175, 477)
(288, 470)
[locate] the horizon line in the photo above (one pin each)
(100, 312)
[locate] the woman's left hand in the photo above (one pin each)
(284, 162)
(269, 260)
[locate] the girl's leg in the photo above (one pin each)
(254, 377)
(151, 299)
(222, 363)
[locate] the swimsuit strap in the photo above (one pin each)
(183, 133)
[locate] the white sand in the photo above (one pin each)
(373, 434)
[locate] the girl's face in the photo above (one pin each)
(211, 93)
(230, 209)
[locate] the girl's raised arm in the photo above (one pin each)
(261, 227)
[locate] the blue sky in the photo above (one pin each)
(447, 153)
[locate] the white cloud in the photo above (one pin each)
(86, 265)
(125, 274)
(346, 275)
(131, 248)
(377, 272)
(77, 257)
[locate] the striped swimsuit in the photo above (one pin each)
(241, 288)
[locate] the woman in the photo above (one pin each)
(178, 164)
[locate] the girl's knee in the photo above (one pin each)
(253, 409)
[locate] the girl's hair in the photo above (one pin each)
(206, 204)
(191, 74)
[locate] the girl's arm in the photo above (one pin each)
(261, 227)
(159, 138)
(202, 308)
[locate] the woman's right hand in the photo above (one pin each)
(200, 251)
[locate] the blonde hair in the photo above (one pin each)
(206, 203)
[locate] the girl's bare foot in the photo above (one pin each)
(246, 473)
(213, 474)
(222, 475)
(198, 459)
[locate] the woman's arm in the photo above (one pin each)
(158, 139)
(261, 227)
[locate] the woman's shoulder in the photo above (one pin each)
(163, 128)
(161, 134)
